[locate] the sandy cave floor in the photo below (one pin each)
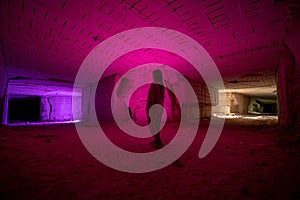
(248, 162)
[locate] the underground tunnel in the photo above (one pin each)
(79, 98)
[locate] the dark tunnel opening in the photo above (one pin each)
(24, 109)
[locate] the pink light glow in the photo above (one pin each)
(69, 59)
(52, 105)
(109, 50)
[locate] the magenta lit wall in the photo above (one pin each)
(2, 86)
(55, 99)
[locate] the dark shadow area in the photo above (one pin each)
(263, 106)
(24, 109)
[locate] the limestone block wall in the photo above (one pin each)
(103, 96)
(55, 99)
(137, 103)
(238, 103)
(288, 81)
(2, 86)
(288, 85)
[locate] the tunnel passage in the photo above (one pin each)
(24, 109)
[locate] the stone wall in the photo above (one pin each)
(238, 103)
(2, 86)
(56, 98)
(288, 81)
(59, 108)
(103, 96)
(137, 103)
(288, 87)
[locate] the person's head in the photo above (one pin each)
(157, 76)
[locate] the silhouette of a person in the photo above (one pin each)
(155, 96)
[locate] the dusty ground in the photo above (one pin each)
(248, 162)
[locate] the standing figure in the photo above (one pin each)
(156, 96)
